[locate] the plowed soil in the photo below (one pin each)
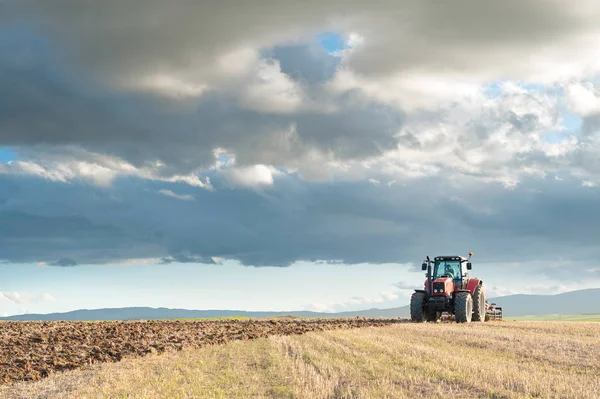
(30, 351)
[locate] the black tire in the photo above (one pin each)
(463, 307)
(479, 304)
(417, 309)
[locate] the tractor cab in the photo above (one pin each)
(451, 267)
(449, 274)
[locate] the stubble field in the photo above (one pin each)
(398, 360)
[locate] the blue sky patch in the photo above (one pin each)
(332, 41)
(493, 90)
(554, 137)
(532, 87)
(571, 121)
(7, 154)
(223, 159)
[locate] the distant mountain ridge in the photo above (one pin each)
(148, 313)
(568, 303)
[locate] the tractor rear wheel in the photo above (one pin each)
(479, 304)
(463, 307)
(418, 312)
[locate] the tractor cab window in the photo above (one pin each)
(447, 268)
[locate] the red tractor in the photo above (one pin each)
(449, 288)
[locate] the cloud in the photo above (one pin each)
(23, 298)
(64, 262)
(403, 285)
(264, 74)
(433, 129)
(583, 99)
(183, 197)
(72, 164)
(465, 37)
(123, 131)
(250, 176)
(319, 307)
(354, 302)
(351, 222)
(187, 259)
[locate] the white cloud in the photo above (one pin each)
(319, 307)
(355, 302)
(583, 98)
(409, 92)
(495, 139)
(250, 176)
(389, 296)
(183, 197)
(23, 298)
(271, 91)
(95, 168)
(172, 86)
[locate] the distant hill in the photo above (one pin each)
(569, 303)
(147, 313)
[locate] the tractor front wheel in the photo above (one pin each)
(463, 307)
(418, 312)
(479, 304)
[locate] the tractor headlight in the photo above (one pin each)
(435, 290)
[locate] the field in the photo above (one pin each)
(560, 317)
(32, 350)
(401, 360)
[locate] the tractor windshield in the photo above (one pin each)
(450, 268)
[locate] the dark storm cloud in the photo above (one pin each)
(65, 66)
(186, 259)
(64, 262)
(41, 107)
(112, 37)
(64, 70)
(310, 64)
(295, 220)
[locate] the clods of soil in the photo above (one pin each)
(30, 351)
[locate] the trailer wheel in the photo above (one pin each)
(479, 304)
(418, 312)
(463, 307)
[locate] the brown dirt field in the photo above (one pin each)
(510, 359)
(30, 351)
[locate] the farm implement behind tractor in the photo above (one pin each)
(449, 293)
(493, 312)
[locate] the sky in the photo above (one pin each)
(275, 156)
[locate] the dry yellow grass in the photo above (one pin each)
(491, 360)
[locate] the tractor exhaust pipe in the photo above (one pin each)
(429, 281)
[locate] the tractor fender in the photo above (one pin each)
(472, 284)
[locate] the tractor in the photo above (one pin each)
(449, 289)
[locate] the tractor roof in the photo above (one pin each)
(451, 257)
